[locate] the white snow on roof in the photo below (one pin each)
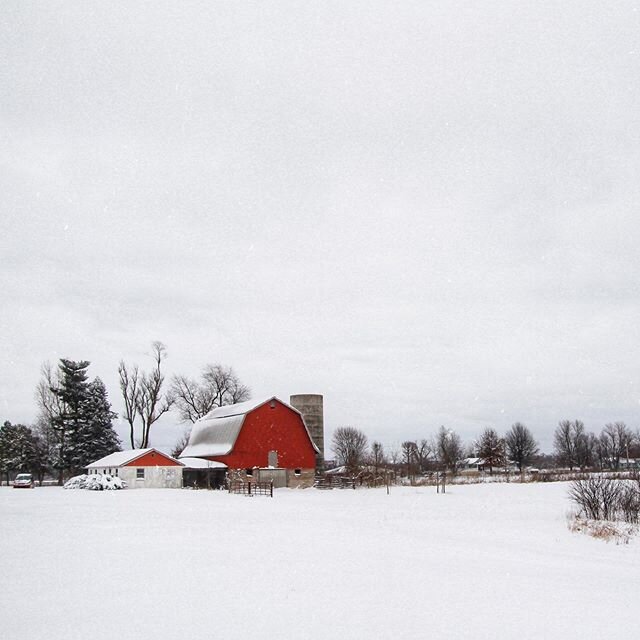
(213, 436)
(200, 463)
(120, 458)
(242, 408)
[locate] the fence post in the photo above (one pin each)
(271, 488)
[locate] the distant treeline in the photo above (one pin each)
(574, 448)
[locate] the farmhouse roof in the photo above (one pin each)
(217, 432)
(121, 458)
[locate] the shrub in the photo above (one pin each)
(629, 503)
(601, 498)
(95, 482)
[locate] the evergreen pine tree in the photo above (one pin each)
(96, 438)
(73, 394)
(83, 425)
(4, 451)
(18, 450)
(46, 446)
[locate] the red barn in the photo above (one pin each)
(265, 434)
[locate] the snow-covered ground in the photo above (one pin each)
(482, 561)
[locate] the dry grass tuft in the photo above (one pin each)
(618, 532)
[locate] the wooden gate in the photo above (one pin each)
(251, 488)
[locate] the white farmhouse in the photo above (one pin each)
(141, 468)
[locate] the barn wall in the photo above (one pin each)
(303, 480)
(267, 429)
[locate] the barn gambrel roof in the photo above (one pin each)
(217, 432)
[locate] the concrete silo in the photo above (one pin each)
(310, 406)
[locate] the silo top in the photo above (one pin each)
(306, 397)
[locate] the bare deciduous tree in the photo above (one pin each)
(449, 448)
(220, 386)
(49, 402)
(377, 458)
(180, 445)
(423, 451)
(395, 457)
(350, 446)
(521, 445)
(409, 458)
(143, 395)
(593, 449)
(616, 439)
(491, 448)
(129, 381)
(573, 445)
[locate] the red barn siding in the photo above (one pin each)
(267, 429)
(152, 459)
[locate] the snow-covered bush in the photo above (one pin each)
(77, 482)
(95, 482)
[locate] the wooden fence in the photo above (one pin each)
(335, 482)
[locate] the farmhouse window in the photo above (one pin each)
(139, 474)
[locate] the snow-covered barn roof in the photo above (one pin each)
(213, 436)
(241, 408)
(121, 458)
(216, 433)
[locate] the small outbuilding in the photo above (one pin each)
(141, 468)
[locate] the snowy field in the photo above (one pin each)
(482, 561)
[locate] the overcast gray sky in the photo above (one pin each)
(426, 211)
